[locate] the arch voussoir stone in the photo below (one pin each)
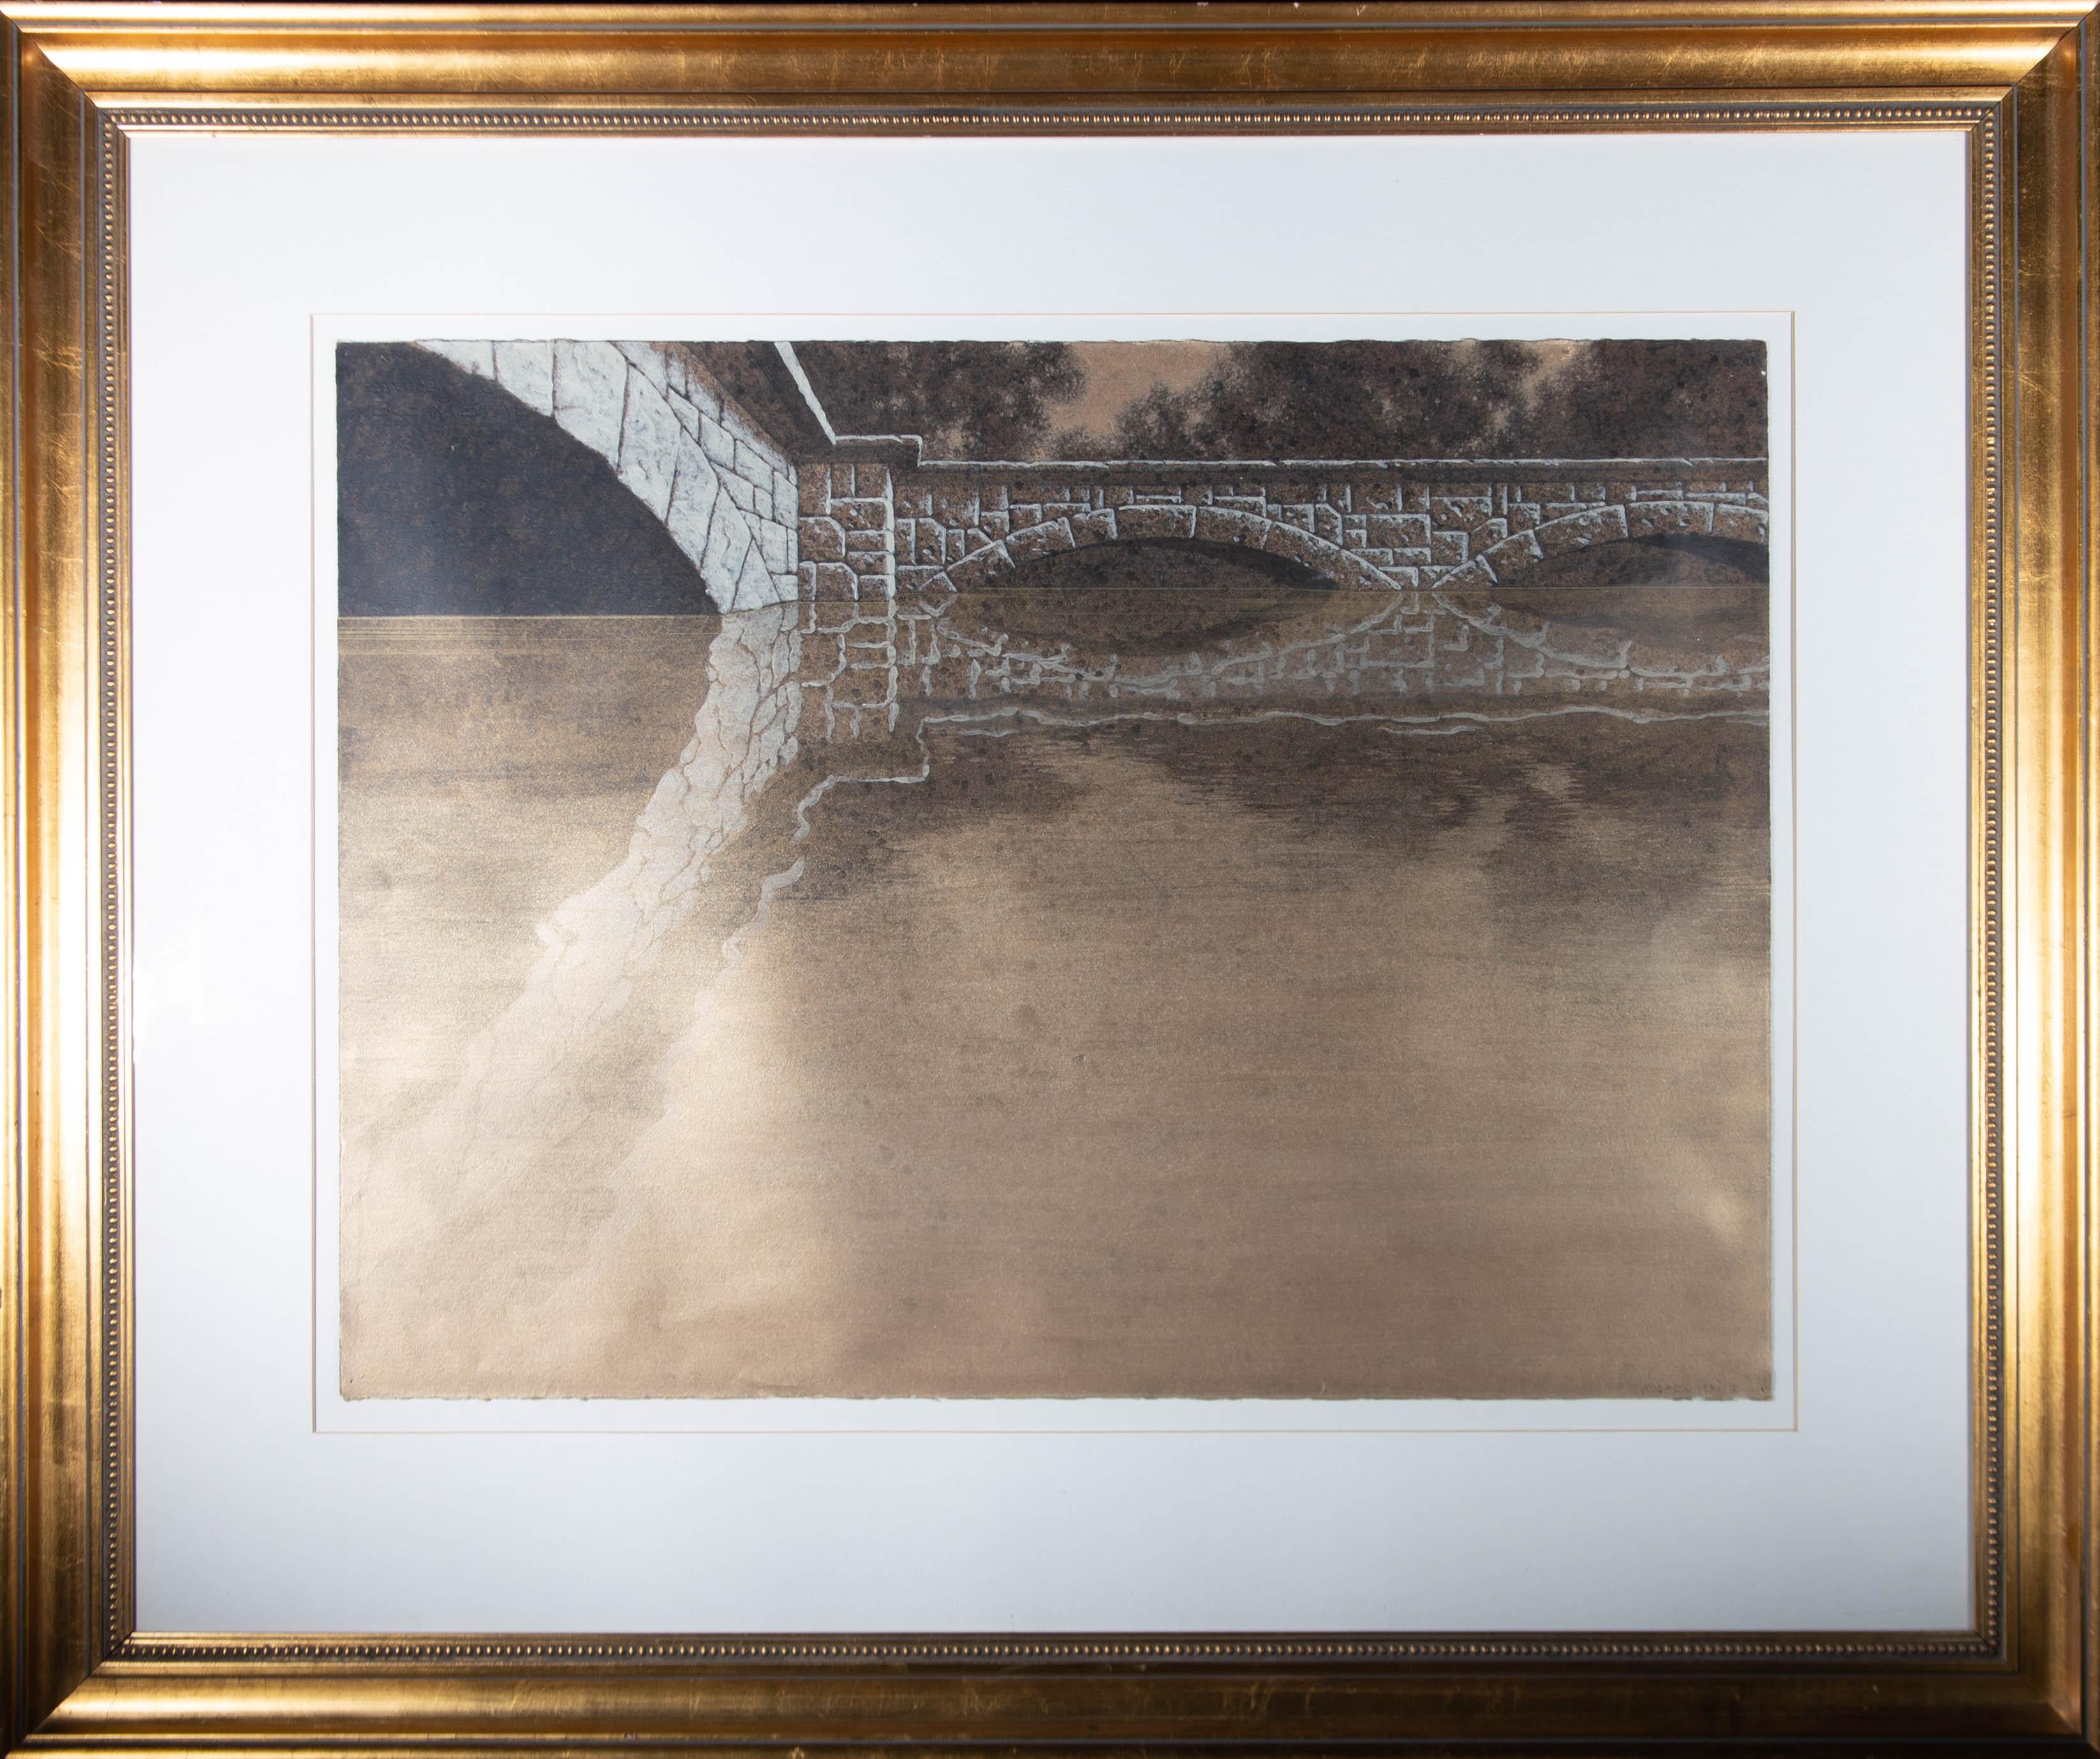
(1042, 538)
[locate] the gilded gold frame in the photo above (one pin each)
(2018, 78)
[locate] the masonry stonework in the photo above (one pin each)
(895, 560)
(890, 551)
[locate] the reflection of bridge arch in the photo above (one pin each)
(878, 543)
(891, 544)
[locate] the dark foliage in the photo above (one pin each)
(969, 400)
(1368, 399)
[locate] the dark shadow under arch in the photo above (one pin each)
(1675, 590)
(453, 498)
(1148, 594)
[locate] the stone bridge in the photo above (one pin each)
(866, 592)
(898, 560)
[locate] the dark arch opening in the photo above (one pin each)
(1147, 595)
(1670, 588)
(454, 499)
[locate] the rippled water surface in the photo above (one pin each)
(1260, 1058)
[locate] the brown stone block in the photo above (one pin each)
(1156, 521)
(822, 540)
(813, 492)
(1447, 549)
(1461, 512)
(913, 500)
(1039, 540)
(955, 507)
(1579, 531)
(1398, 531)
(861, 515)
(1650, 519)
(1300, 546)
(975, 570)
(1098, 528)
(869, 479)
(1326, 523)
(1745, 524)
(833, 580)
(1224, 525)
(1512, 555)
(1346, 569)
(1475, 577)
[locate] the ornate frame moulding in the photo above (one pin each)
(2015, 78)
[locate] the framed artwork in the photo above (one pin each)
(1025, 877)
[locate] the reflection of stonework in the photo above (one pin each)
(887, 551)
(869, 638)
(879, 545)
(897, 565)
(600, 943)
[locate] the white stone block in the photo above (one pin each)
(648, 445)
(694, 494)
(729, 542)
(716, 441)
(755, 584)
(526, 369)
(687, 411)
(591, 394)
(647, 359)
(478, 358)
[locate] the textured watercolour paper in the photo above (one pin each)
(1173, 869)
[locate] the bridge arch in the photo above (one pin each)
(726, 495)
(1153, 523)
(1468, 591)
